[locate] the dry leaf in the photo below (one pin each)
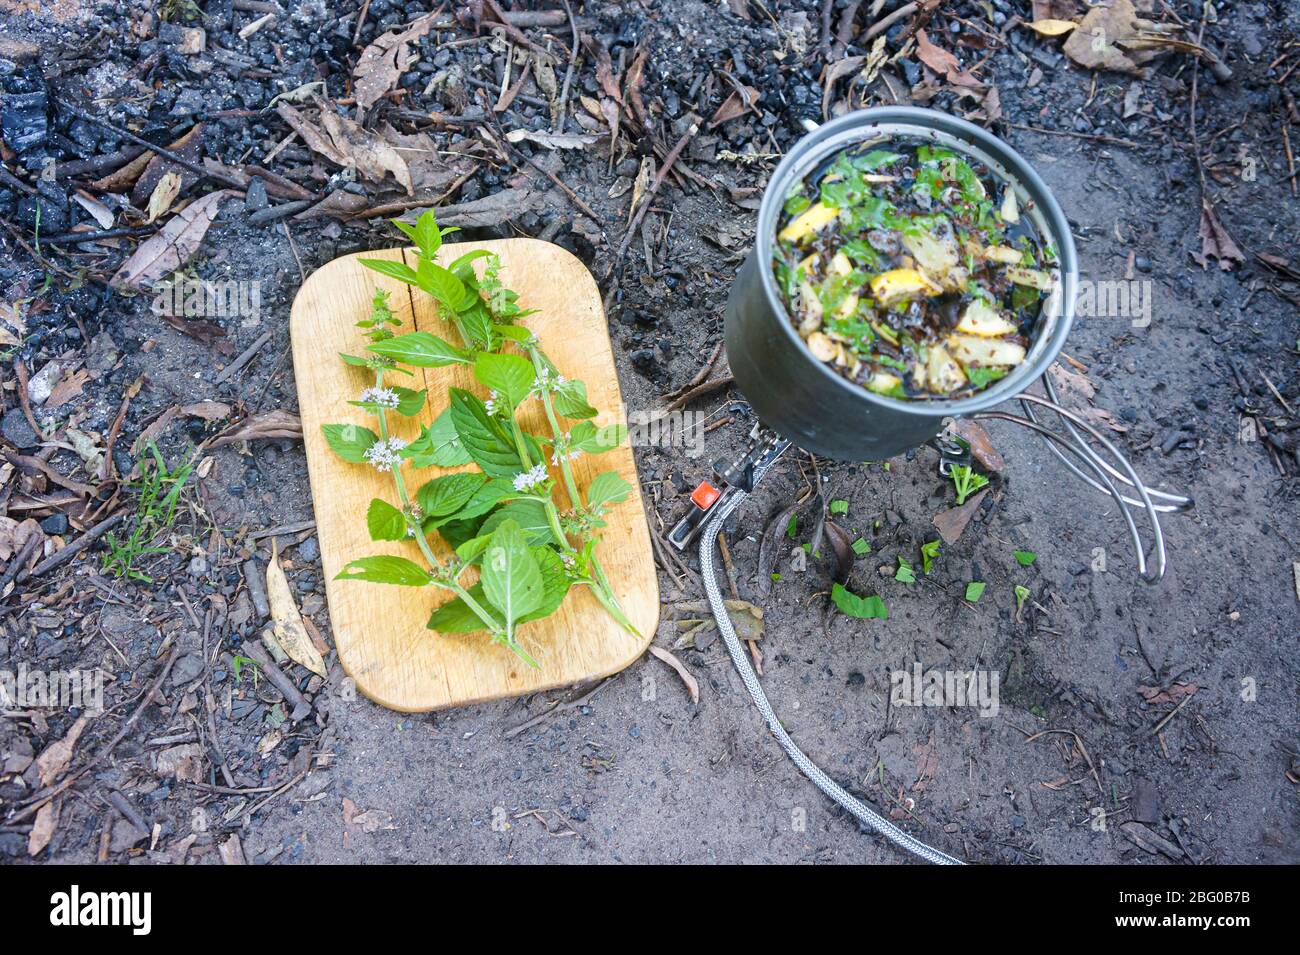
(1216, 242)
(1113, 38)
(692, 685)
(47, 821)
(1052, 27)
(489, 211)
(55, 757)
(66, 389)
(1175, 694)
(101, 213)
(383, 62)
(943, 62)
(1076, 392)
(164, 194)
(286, 623)
(734, 106)
(367, 820)
(364, 151)
(552, 140)
(171, 246)
(207, 410)
(952, 522)
(260, 427)
(981, 445)
(185, 762)
(14, 535)
(189, 146)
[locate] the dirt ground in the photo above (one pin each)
(1137, 724)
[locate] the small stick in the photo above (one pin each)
(72, 550)
(660, 176)
(168, 154)
(242, 358)
(20, 371)
(301, 707)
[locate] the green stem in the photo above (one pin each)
(417, 531)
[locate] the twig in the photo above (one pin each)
(660, 176)
(242, 358)
(72, 550)
(168, 154)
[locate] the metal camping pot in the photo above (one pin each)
(804, 400)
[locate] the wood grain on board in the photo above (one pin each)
(379, 629)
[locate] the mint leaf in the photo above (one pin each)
(1025, 557)
(512, 581)
(839, 507)
(586, 437)
(864, 608)
(349, 441)
(437, 446)
(860, 546)
(555, 584)
(443, 285)
(393, 269)
(385, 569)
(529, 515)
(426, 234)
(607, 488)
(975, 590)
(455, 616)
(386, 523)
(904, 572)
(570, 400)
(929, 551)
(422, 350)
(510, 376)
(444, 496)
(483, 438)
(1022, 594)
(792, 526)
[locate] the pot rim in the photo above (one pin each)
(1007, 164)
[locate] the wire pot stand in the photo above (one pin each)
(1111, 472)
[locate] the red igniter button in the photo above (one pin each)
(704, 495)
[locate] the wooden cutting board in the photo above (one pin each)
(379, 629)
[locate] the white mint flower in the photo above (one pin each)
(384, 397)
(531, 478)
(491, 403)
(384, 455)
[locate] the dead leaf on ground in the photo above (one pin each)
(43, 828)
(1050, 27)
(943, 62)
(1173, 694)
(185, 762)
(383, 62)
(15, 534)
(489, 211)
(171, 246)
(1115, 38)
(164, 194)
(265, 425)
(197, 328)
(189, 146)
(207, 410)
(67, 389)
(1076, 392)
(367, 820)
(952, 522)
(552, 140)
(286, 622)
(366, 152)
(981, 445)
(1216, 242)
(54, 759)
(692, 685)
(740, 102)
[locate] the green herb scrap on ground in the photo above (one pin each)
(501, 518)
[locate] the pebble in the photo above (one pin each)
(17, 431)
(309, 549)
(55, 524)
